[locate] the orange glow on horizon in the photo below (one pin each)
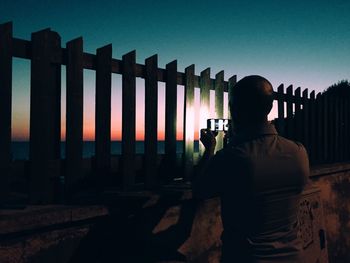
(20, 120)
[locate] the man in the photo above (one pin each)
(259, 177)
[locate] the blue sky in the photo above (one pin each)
(304, 43)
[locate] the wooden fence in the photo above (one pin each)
(321, 123)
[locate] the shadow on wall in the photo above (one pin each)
(130, 233)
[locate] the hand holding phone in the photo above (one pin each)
(208, 139)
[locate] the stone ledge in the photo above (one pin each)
(34, 217)
(327, 169)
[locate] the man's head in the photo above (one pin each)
(251, 101)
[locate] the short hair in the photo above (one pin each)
(251, 99)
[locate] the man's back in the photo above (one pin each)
(259, 177)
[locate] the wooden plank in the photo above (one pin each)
(128, 119)
(22, 49)
(231, 83)
(345, 134)
(151, 119)
(341, 131)
(344, 144)
(188, 127)
(170, 115)
(333, 128)
(326, 130)
(347, 129)
(74, 112)
(204, 102)
(329, 118)
(103, 110)
(297, 115)
(219, 106)
(290, 126)
(305, 120)
(5, 107)
(312, 128)
(335, 146)
(45, 114)
(280, 106)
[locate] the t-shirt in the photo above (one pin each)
(259, 176)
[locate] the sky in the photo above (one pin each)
(304, 43)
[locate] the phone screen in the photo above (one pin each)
(218, 124)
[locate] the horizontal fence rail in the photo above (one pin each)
(320, 122)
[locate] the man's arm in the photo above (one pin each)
(205, 180)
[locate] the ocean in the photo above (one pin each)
(20, 149)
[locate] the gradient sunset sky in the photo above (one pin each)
(304, 43)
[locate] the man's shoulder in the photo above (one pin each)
(233, 151)
(291, 144)
(246, 148)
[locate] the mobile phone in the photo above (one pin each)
(217, 125)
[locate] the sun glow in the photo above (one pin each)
(190, 123)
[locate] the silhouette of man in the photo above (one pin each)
(259, 177)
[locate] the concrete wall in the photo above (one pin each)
(203, 243)
(334, 183)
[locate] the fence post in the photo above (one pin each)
(347, 129)
(320, 133)
(326, 118)
(338, 139)
(305, 119)
(170, 118)
(103, 110)
(128, 119)
(335, 145)
(188, 127)
(290, 122)
(231, 83)
(341, 139)
(330, 121)
(297, 115)
(151, 119)
(312, 127)
(74, 113)
(45, 115)
(5, 108)
(280, 105)
(219, 108)
(204, 84)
